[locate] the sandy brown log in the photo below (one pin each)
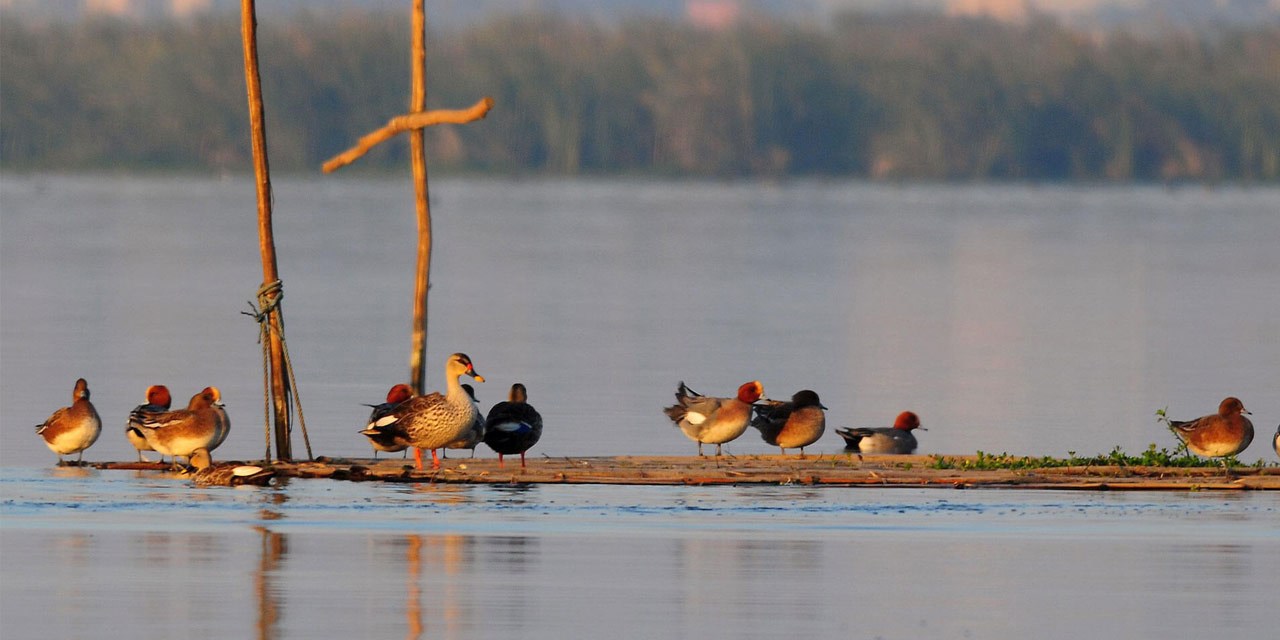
(831, 471)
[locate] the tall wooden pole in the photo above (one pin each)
(413, 123)
(418, 156)
(266, 238)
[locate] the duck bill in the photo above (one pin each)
(472, 372)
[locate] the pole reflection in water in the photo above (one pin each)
(274, 547)
(413, 607)
(435, 568)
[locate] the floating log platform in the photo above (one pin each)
(826, 470)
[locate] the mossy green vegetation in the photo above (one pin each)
(1151, 457)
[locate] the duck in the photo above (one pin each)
(513, 426)
(227, 474)
(898, 439)
(224, 421)
(474, 435)
(384, 440)
(434, 420)
(1219, 435)
(157, 401)
(713, 420)
(182, 432)
(791, 425)
(72, 429)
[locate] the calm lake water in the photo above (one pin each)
(1033, 320)
(151, 557)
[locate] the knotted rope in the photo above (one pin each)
(269, 296)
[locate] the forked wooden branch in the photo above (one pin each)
(408, 122)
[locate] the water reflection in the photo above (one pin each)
(436, 493)
(329, 559)
(413, 606)
(273, 548)
(756, 578)
(433, 568)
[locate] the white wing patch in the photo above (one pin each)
(510, 426)
(694, 418)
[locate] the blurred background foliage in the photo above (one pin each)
(928, 97)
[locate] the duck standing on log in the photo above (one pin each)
(202, 425)
(72, 429)
(474, 435)
(898, 439)
(158, 401)
(791, 425)
(513, 426)
(1219, 435)
(434, 420)
(713, 420)
(383, 440)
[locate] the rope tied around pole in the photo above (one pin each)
(269, 296)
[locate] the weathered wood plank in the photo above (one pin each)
(832, 471)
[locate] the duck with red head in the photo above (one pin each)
(1219, 435)
(72, 429)
(434, 420)
(220, 413)
(158, 401)
(899, 439)
(713, 420)
(390, 440)
(791, 425)
(180, 433)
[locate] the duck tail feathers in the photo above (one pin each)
(675, 412)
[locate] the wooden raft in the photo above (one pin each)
(827, 470)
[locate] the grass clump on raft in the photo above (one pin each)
(1151, 457)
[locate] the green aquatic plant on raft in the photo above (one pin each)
(1151, 457)
(1162, 415)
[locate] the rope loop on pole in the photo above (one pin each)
(269, 296)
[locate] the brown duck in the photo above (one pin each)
(72, 429)
(713, 420)
(158, 401)
(182, 432)
(1217, 435)
(227, 474)
(792, 425)
(391, 440)
(434, 420)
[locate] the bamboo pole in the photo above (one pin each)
(413, 123)
(418, 156)
(266, 237)
(404, 123)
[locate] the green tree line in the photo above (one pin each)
(899, 97)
